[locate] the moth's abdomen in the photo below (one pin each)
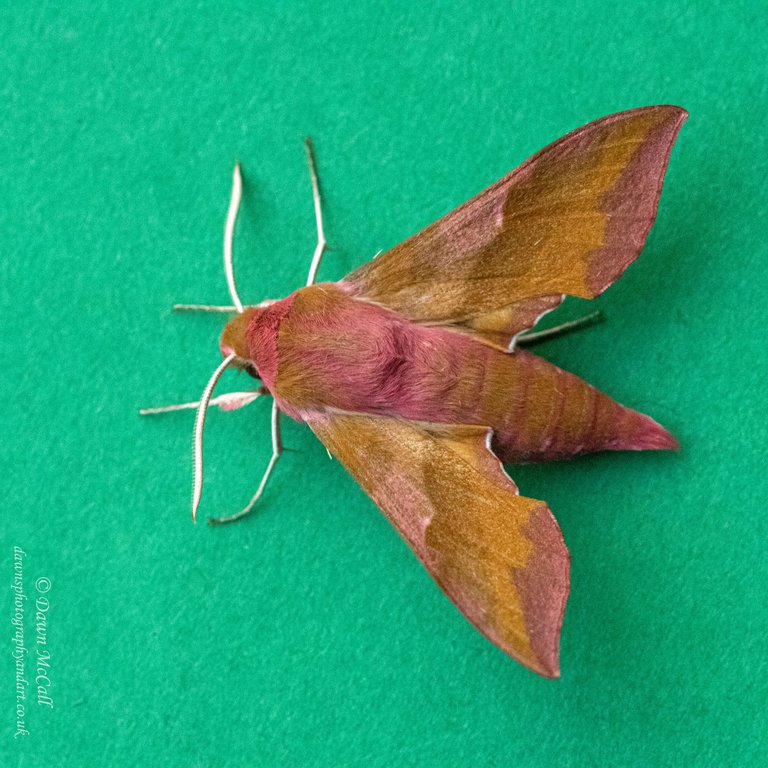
(540, 412)
(322, 349)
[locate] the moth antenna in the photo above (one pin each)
(197, 441)
(229, 230)
(277, 449)
(321, 244)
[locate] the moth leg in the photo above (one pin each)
(321, 244)
(229, 236)
(536, 337)
(230, 401)
(277, 449)
(220, 307)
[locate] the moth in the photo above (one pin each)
(411, 370)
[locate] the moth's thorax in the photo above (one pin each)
(322, 348)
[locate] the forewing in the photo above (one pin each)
(499, 557)
(569, 220)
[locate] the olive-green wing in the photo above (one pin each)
(569, 220)
(500, 557)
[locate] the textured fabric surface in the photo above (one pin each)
(309, 635)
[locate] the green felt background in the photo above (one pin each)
(309, 635)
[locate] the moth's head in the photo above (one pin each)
(234, 339)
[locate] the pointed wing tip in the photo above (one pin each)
(675, 113)
(543, 656)
(547, 661)
(544, 585)
(681, 112)
(677, 116)
(551, 671)
(671, 119)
